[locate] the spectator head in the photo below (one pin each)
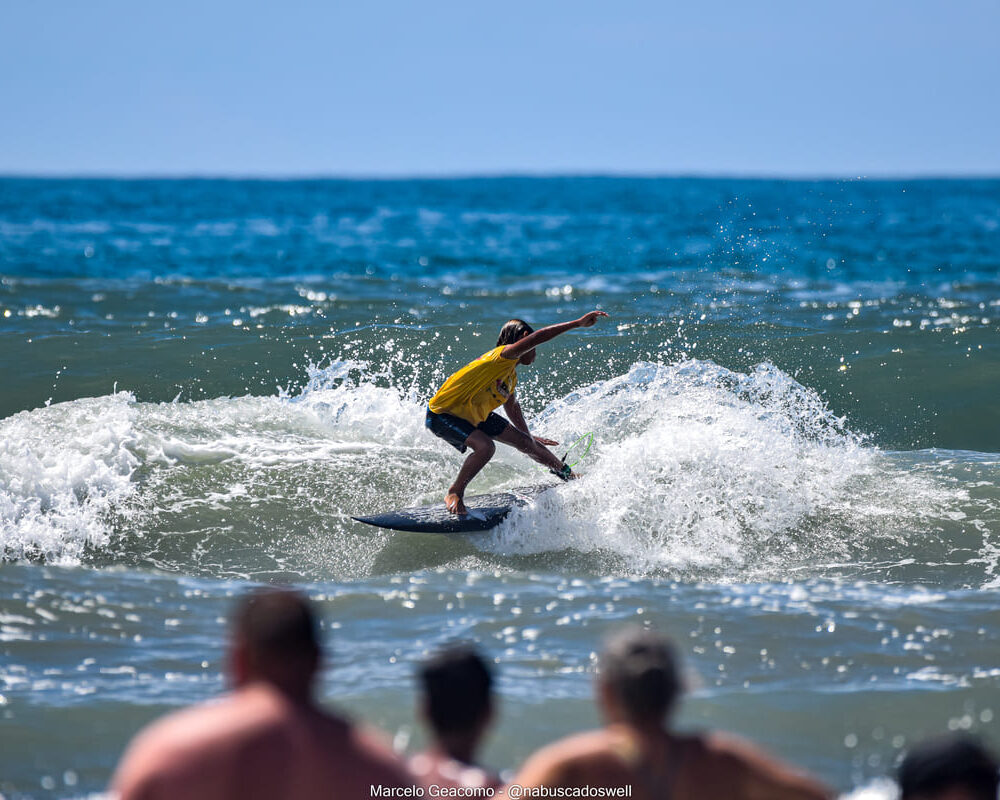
(457, 697)
(949, 768)
(275, 640)
(637, 677)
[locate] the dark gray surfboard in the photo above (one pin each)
(485, 511)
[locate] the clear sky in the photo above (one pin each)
(236, 87)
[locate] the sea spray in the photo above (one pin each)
(694, 465)
(64, 469)
(696, 470)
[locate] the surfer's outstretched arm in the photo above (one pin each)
(549, 332)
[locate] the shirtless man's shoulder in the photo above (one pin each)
(754, 771)
(725, 765)
(247, 737)
(180, 740)
(573, 760)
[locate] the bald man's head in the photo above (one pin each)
(276, 639)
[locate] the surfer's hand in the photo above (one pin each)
(546, 442)
(590, 318)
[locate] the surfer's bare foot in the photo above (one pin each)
(453, 501)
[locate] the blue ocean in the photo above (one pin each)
(795, 465)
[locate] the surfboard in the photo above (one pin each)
(485, 511)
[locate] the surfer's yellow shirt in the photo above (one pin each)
(477, 388)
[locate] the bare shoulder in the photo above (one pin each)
(373, 746)
(759, 771)
(201, 744)
(733, 748)
(370, 740)
(190, 727)
(581, 745)
(565, 756)
(358, 740)
(167, 744)
(728, 745)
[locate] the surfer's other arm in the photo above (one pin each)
(549, 332)
(516, 416)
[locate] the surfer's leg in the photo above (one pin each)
(527, 445)
(482, 451)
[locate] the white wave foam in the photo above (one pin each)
(344, 398)
(62, 470)
(694, 465)
(66, 471)
(335, 414)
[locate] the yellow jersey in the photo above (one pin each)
(477, 388)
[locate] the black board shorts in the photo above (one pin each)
(455, 430)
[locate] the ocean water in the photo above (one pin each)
(795, 463)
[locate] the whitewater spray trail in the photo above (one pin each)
(695, 469)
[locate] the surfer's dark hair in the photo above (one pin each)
(457, 686)
(640, 668)
(949, 762)
(513, 331)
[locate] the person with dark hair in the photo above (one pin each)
(462, 410)
(956, 767)
(268, 738)
(456, 703)
(638, 686)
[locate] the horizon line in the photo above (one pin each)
(279, 177)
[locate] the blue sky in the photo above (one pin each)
(438, 88)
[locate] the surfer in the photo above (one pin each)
(462, 413)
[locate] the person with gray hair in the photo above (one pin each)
(638, 686)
